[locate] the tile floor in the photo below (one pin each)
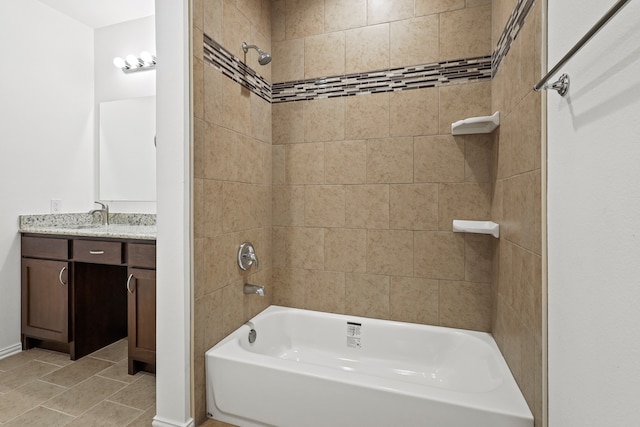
(45, 388)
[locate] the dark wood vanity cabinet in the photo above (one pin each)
(141, 289)
(45, 289)
(81, 294)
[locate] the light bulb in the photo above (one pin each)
(119, 62)
(147, 58)
(133, 61)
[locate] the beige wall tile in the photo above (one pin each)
(439, 255)
(429, 7)
(198, 88)
(324, 119)
(208, 328)
(413, 206)
(325, 291)
(288, 205)
(197, 14)
(390, 252)
(463, 201)
(260, 119)
(213, 18)
(200, 131)
(267, 164)
(212, 205)
(278, 20)
(478, 150)
(438, 159)
(414, 300)
(324, 55)
(265, 18)
(236, 206)
(304, 18)
(345, 249)
(231, 156)
(390, 160)
(288, 63)
(213, 103)
(344, 14)
(236, 114)
(232, 306)
(367, 48)
(367, 295)
(526, 138)
(288, 123)
(465, 33)
(324, 206)
(413, 112)
(289, 287)
(304, 163)
(367, 206)
(345, 162)
(472, 3)
(304, 247)
(277, 153)
(367, 116)
(465, 305)
(236, 29)
(522, 210)
(414, 41)
(388, 10)
(478, 258)
(462, 101)
(219, 260)
(252, 9)
(198, 268)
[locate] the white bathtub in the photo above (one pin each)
(309, 369)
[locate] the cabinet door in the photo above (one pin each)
(141, 287)
(45, 299)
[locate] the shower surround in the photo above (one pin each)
(349, 199)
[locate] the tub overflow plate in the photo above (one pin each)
(252, 336)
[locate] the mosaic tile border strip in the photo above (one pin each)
(392, 80)
(510, 32)
(233, 68)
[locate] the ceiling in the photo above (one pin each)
(100, 13)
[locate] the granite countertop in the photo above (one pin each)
(121, 226)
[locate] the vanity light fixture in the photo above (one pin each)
(132, 63)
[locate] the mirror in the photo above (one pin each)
(127, 149)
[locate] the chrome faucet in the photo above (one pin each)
(253, 289)
(247, 256)
(104, 211)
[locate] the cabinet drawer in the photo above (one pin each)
(141, 255)
(97, 251)
(45, 247)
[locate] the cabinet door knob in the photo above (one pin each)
(129, 283)
(60, 276)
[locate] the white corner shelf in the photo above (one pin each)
(473, 125)
(480, 227)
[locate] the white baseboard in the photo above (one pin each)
(159, 422)
(11, 350)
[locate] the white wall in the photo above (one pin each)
(130, 37)
(46, 131)
(594, 219)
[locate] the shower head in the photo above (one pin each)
(263, 57)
